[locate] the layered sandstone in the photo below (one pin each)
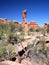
(33, 25)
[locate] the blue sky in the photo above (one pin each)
(37, 10)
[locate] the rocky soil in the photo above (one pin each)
(33, 59)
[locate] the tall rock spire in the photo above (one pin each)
(24, 23)
(24, 12)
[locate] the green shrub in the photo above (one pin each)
(47, 28)
(13, 55)
(20, 28)
(31, 30)
(43, 31)
(38, 29)
(10, 47)
(22, 33)
(30, 46)
(21, 37)
(2, 50)
(47, 49)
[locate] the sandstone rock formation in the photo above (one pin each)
(33, 25)
(3, 21)
(24, 23)
(26, 26)
(24, 15)
(45, 25)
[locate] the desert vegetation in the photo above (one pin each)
(12, 35)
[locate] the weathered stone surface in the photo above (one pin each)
(24, 15)
(33, 25)
(45, 25)
(24, 23)
(26, 62)
(3, 21)
(9, 63)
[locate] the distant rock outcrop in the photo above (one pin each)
(45, 25)
(26, 26)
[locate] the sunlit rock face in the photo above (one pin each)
(24, 12)
(33, 25)
(30, 25)
(45, 25)
(3, 21)
(25, 25)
